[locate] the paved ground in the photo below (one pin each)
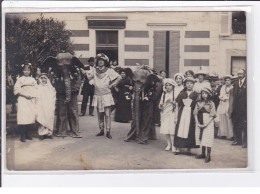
(100, 153)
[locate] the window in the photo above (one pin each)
(239, 22)
(237, 63)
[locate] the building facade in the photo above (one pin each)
(171, 41)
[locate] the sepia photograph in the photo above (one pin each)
(118, 90)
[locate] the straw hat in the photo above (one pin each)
(227, 76)
(189, 79)
(201, 72)
(169, 81)
(179, 74)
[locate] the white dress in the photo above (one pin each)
(45, 106)
(207, 137)
(198, 86)
(225, 123)
(177, 90)
(167, 115)
(26, 111)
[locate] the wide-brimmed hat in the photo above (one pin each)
(189, 79)
(179, 74)
(227, 76)
(169, 81)
(103, 57)
(201, 72)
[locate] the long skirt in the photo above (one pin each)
(207, 136)
(26, 111)
(225, 126)
(168, 121)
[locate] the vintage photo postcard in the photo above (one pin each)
(125, 90)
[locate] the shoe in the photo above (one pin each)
(236, 143)
(81, 115)
(108, 135)
(144, 142)
(61, 135)
(22, 139)
(29, 138)
(76, 136)
(92, 114)
(42, 138)
(167, 148)
(244, 146)
(101, 133)
(201, 156)
(207, 159)
(126, 140)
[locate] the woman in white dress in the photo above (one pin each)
(25, 89)
(225, 123)
(45, 106)
(201, 83)
(167, 106)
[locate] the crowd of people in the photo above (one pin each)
(191, 109)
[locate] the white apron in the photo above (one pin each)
(184, 125)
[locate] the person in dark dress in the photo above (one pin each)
(123, 107)
(238, 109)
(185, 123)
(88, 91)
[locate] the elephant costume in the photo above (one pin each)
(141, 126)
(64, 71)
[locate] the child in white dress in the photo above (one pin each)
(45, 103)
(25, 89)
(167, 106)
(104, 79)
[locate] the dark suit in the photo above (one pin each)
(87, 92)
(239, 112)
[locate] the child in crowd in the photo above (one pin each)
(205, 113)
(25, 89)
(45, 103)
(167, 106)
(104, 79)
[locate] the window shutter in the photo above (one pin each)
(174, 53)
(159, 50)
(225, 24)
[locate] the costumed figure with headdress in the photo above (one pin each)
(66, 78)
(104, 79)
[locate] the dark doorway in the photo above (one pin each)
(107, 43)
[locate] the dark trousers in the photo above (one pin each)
(240, 130)
(68, 114)
(85, 103)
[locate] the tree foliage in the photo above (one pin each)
(33, 41)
